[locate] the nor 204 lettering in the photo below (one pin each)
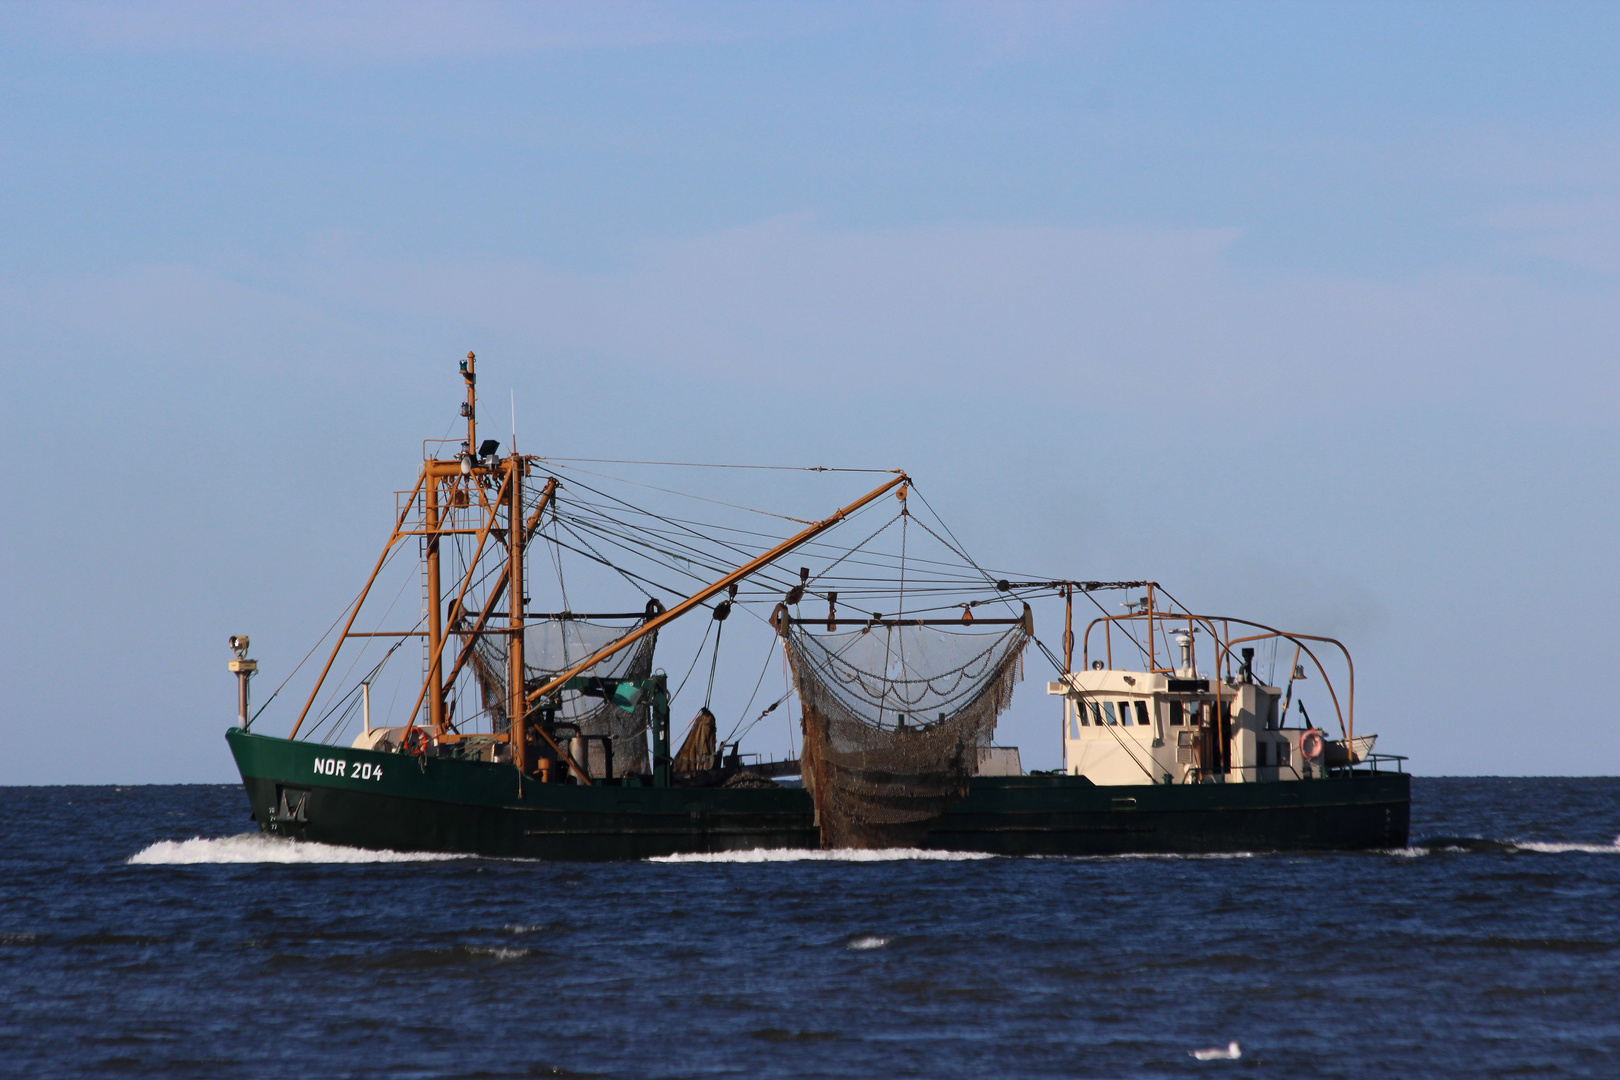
(349, 770)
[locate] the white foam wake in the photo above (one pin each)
(1556, 849)
(258, 848)
(1508, 847)
(1179, 856)
(774, 855)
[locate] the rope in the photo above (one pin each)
(733, 736)
(689, 495)
(708, 694)
(695, 657)
(318, 642)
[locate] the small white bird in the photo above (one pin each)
(1231, 1052)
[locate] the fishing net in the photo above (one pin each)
(697, 752)
(551, 647)
(893, 718)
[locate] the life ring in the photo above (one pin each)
(416, 741)
(1310, 745)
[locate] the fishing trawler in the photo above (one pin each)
(537, 731)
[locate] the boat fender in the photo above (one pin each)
(1310, 744)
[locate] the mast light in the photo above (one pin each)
(244, 670)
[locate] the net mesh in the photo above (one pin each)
(697, 752)
(551, 647)
(893, 717)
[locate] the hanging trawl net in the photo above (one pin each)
(893, 718)
(551, 647)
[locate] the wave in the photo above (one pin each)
(1555, 849)
(533, 928)
(764, 855)
(1179, 855)
(258, 848)
(857, 855)
(498, 952)
(1454, 845)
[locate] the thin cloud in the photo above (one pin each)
(371, 31)
(1583, 234)
(1153, 316)
(1026, 309)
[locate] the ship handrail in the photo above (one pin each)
(1346, 713)
(1373, 760)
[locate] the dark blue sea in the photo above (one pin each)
(129, 949)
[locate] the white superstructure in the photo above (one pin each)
(1161, 725)
(1136, 727)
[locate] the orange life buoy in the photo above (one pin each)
(1310, 745)
(416, 741)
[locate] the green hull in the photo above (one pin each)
(392, 801)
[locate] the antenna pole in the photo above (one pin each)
(516, 707)
(1153, 663)
(435, 613)
(1068, 629)
(470, 377)
(435, 674)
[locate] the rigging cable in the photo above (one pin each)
(696, 656)
(888, 638)
(733, 736)
(675, 522)
(714, 662)
(689, 495)
(710, 465)
(556, 556)
(317, 644)
(343, 720)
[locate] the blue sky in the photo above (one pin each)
(1308, 311)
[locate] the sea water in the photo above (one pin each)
(147, 931)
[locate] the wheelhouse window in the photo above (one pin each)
(1271, 712)
(1108, 711)
(1175, 714)
(1141, 714)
